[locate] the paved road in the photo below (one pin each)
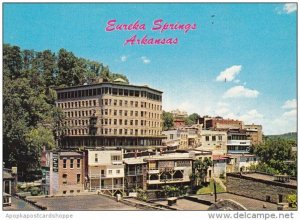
(19, 205)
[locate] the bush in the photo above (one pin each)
(34, 191)
(292, 200)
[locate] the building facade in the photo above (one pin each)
(265, 187)
(219, 123)
(255, 133)
(238, 142)
(105, 171)
(215, 141)
(67, 171)
(110, 114)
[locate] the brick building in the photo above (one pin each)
(67, 171)
(110, 114)
(219, 123)
(255, 133)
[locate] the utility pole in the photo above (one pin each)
(215, 190)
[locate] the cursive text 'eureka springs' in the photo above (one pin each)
(158, 25)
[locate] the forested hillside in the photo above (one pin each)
(30, 117)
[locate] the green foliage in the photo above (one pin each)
(174, 191)
(292, 200)
(168, 120)
(142, 195)
(209, 188)
(292, 136)
(200, 168)
(276, 157)
(34, 191)
(192, 119)
(30, 118)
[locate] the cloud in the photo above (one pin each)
(289, 104)
(290, 114)
(222, 108)
(145, 60)
(287, 8)
(251, 116)
(124, 58)
(229, 74)
(240, 91)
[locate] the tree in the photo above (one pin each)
(200, 168)
(276, 156)
(168, 121)
(192, 119)
(30, 118)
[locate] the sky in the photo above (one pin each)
(239, 62)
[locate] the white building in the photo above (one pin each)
(106, 171)
(215, 141)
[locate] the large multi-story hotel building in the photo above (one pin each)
(111, 114)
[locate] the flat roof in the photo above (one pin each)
(267, 177)
(171, 156)
(133, 160)
(108, 83)
(69, 153)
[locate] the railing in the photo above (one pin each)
(134, 173)
(95, 175)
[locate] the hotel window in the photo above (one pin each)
(120, 103)
(220, 137)
(118, 171)
(109, 171)
(131, 113)
(125, 122)
(71, 163)
(125, 113)
(96, 158)
(131, 122)
(131, 103)
(120, 131)
(136, 113)
(136, 122)
(64, 163)
(120, 112)
(120, 121)
(94, 102)
(126, 103)
(136, 104)
(78, 163)
(213, 138)
(115, 102)
(78, 178)
(125, 131)
(115, 112)
(115, 131)
(115, 121)
(206, 138)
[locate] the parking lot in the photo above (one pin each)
(82, 203)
